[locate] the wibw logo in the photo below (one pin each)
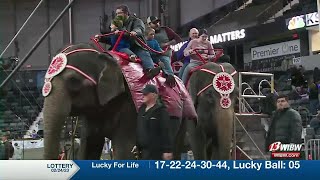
(280, 150)
(278, 146)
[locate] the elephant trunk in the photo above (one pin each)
(57, 107)
(225, 118)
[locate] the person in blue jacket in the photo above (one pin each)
(154, 44)
(193, 34)
(124, 44)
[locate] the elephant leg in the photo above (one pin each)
(57, 107)
(209, 147)
(124, 136)
(92, 139)
(180, 139)
(224, 141)
(197, 140)
(214, 149)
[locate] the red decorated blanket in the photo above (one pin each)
(176, 99)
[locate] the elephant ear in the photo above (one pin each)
(111, 82)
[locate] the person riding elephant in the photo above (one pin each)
(196, 45)
(136, 28)
(193, 34)
(223, 58)
(165, 37)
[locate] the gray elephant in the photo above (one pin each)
(211, 136)
(93, 87)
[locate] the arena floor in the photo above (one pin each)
(33, 154)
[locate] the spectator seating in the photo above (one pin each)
(299, 100)
(20, 102)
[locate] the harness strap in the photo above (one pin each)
(208, 71)
(120, 37)
(80, 50)
(202, 90)
(66, 48)
(213, 73)
(77, 69)
(82, 73)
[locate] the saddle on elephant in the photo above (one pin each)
(176, 99)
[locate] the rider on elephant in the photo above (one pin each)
(193, 34)
(124, 44)
(165, 37)
(154, 44)
(137, 29)
(206, 54)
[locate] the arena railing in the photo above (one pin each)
(312, 149)
(243, 96)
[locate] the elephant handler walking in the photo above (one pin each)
(153, 139)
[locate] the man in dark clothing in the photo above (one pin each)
(165, 37)
(286, 124)
(153, 139)
(136, 28)
(316, 74)
(8, 148)
(315, 123)
(297, 78)
(313, 97)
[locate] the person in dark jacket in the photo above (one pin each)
(193, 34)
(153, 139)
(8, 148)
(316, 74)
(297, 78)
(164, 35)
(124, 43)
(315, 122)
(136, 28)
(313, 97)
(286, 124)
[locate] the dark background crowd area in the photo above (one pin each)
(300, 85)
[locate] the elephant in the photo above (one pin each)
(211, 136)
(107, 107)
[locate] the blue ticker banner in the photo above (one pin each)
(34, 169)
(203, 169)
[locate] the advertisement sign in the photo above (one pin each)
(219, 38)
(301, 21)
(274, 50)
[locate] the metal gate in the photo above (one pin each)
(312, 149)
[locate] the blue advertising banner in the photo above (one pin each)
(203, 169)
(31, 169)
